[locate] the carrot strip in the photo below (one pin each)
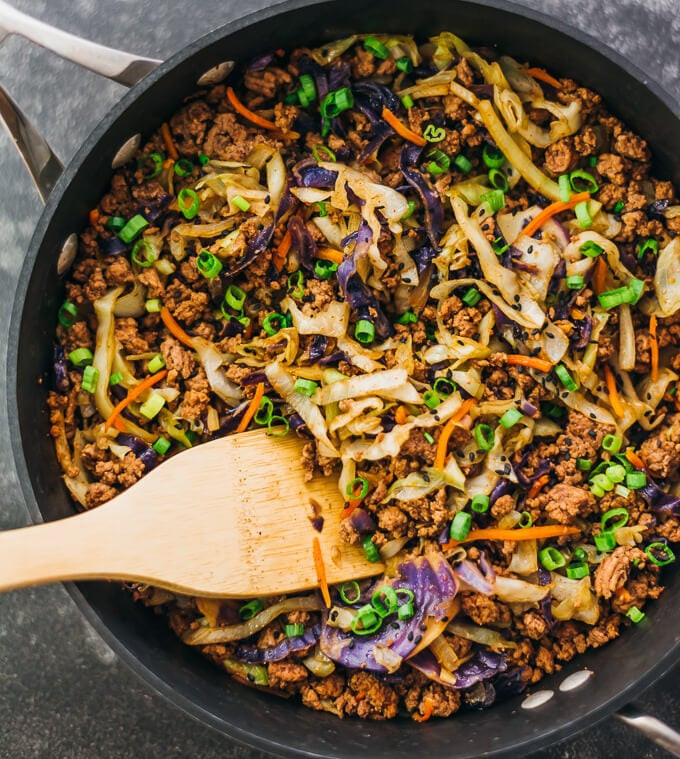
(443, 442)
(528, 533)
(614, 397)
(94, 216)
(554, 208)
(330, 254)
(169, 320)
(654, 348)
(599, 276)
(427, 711)
(169, 142)
(634, 459)
(543, 76)
(254, 405)
(118, 424)
(282, 251)
(516, 359)
(247, 113)
(321, 572)
(401, 129)
(134, 392)
(400, 415)
(538, 485)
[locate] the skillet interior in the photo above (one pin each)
(639, 655)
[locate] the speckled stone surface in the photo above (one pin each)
(63, 692)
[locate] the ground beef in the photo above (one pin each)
(561, 156)
(502, 506)
(78, 335)
(127, 334)
(196, 397)
(613, 572)
(98, 493)
(485, 611)
(394, 521)
(661, 451)
(286, 675)
(188, 127)
(267, 81)
(368, 697)
(566, 503)
(119, 272)
(184, 304)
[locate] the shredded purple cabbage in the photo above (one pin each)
(288, 646)
(483, 665)
(113, 246)
(145, 453)
(62, 384)
(156, 208)
(434, 210)
(302, 243)
(308, 173)
(660, 501)
(362, 521)
(317, 348)
(261, 62)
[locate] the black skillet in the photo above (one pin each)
(621, 670)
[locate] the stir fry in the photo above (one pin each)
(454, 277)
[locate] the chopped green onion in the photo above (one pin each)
(460, 527)
(592, 161)
(251, 609)
(308, 87)
(90, 379)
(115, 223)
(493, 158)
(364, 331)
(156, 160)
(431, 399)
(407, 102)
(405, 64)
(208, 264)
(499, 246)
(411, 209)
(575, 282)
(324, 269)
(376, 47)
(585, 465)
(183, 167)
(67, 314)
(648, 246)
(351, 489)
(613, 298)
(565, 188)
(296, 282)
(156, 364)
(291, 98)
(636, 480)
(635, 615)
(274, 425)
(116, 378)
(294, 630)
(152, 405)
(577, 569)
(622, 491)
(667, 553)
(153, 306)
(620, 515)
(597, 491)
(605, 541)
(603, 482)
(428, 437)
(143, 247)
(203, 159)
(132, 228)
(510, 418)
(635, 290)
(498, 180)
(353, 585)
(580, 554)
(191, 436)
(590, 249)
(616, 473)
(495, 199)
(552, 410)
(525, 520)
(434, 133)
(188, 202)
(407, 317)
(265, 411)
(440, 162)
(484, 435)
(472, 297)
(551, 558)
(612, 443)
(240, 202)
(330, 155)
(321, 206)
(583, 181)
(305, 386)
(445, 387)
(565, 378)
(272, 323)
(161, 446)
(583, 215)
(619, 207)
(370, 549)
(336, 102)
(384, 601)
(366, 621)
(480, 503)
(463, 164)
(80, 357)
(235, 298)
(405, 611)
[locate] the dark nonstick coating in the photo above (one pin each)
(622, 669)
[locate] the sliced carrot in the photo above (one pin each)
(169, 142)
(443, 442)
(247, 113)
(401, 129)
(634, 459)
(517, 534)
(134, 392)
(94, 216)
(118, 424)
(427, 711)
(254, 405)
(614, 397)
(554, 208)
(538, 485)
(516, 359)
(330, 254)
(321, 572)
(400, 415)
(173, 327)
(599, 276)
(654, 347)
(543, 76)
(281, 252)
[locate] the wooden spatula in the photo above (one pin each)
(230, 518)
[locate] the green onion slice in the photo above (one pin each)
(272, 323)
(384, 601)
(235, 298)
(143, 249)
(668, 557)
(431, 399)
(493, 158)
(296, 282)
(620, 516)
(208, 264)
(278, 426)
(80, 357)
(605, 541)
(480, 503)
(351, 489)
(305, 386)
(132, 228)
(370, 550)
(498, 180)
(376, 47)
(156, 165)
(251, 609)
(484, 435)
(510, 418)
(346, 587)
(265, 411)
(460, 526)
(583, 181)
(241, 203)
(612, 443)
(405, 64)
(67, 314)
(551, 558)
(565, 378)
(188, 203)
(317, 150)
(590, 249)
(583, 215)
(364, 331)
(184, 167)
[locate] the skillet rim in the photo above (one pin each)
(226, 725)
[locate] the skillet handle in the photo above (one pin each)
(121, 67)
(656, 730)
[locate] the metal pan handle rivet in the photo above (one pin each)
(216, 74)
(126, 152)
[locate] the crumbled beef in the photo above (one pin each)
(561, 156)
(98, 493)
(150, 278)
(188, 127)
(503, 505)
(267, 81)
(484, 611)
(321, 694)
(565, 503)
(118, 272)
(393, 520)
(196, 397)
(661, 451)
(286, 675)
(534, 625)
(185, 304)
(368, 697)
(613, 572)
(78, 336)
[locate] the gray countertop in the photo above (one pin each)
(63, 692)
